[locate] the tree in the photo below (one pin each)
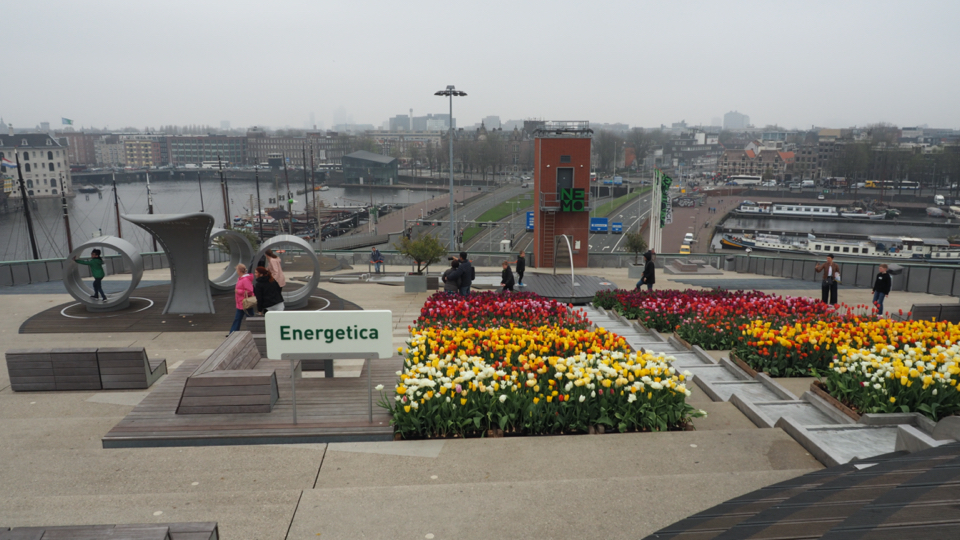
(768, 174)
(424, 251)
(606, 146)
(635, 244)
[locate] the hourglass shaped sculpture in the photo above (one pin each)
(240, 252)
(185, 238)
(81, 290)
(300, 297)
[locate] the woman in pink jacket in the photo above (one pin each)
(243, 290)
(273, 265)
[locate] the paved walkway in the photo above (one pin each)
(603, 486)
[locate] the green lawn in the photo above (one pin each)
(607, 208)
(497, 213)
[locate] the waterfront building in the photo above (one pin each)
(364, 167)
(142, 153)
(195, 149)
(81, 147)
(328, 147)
(44, 163)
(109, 151)
(755, 161)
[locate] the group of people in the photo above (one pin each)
(460, 276)
(265, 285)
(831, 279)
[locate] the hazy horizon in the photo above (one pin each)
(644, 64)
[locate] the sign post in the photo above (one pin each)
(328, 335)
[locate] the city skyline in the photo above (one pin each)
(642, 64)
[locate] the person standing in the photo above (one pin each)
(831, 276)
(243, 290)
(376, 259)
(521, 263)
(96, 270)
(276, 270)
(881, 288)
(465, 274)
(506, 278)
(648, 277)
(267, 291)
(451, 285)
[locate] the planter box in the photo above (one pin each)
(635, 271)
(743, 365)
(821, 392)
(413, 283)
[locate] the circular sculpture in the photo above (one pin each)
(240, 252)
(299, 297)
(82, 290)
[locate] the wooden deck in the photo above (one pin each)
(558, 287)
(328, 410)
(890, 497)
(141, 316)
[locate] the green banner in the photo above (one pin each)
(665, 182)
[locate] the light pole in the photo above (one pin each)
(450, 92)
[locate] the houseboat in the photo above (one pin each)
(892, 247)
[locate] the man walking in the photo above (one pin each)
(831, 276)
(376, 259)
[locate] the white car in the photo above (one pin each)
(687, 238)
(820, 197)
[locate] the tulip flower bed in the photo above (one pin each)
(467, 396)
(491, 310)
(884, 379)
(527, 366)
(808, 347)
(711, 319)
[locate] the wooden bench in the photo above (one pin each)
(145, 531)
(128, 368)
(228, 381)
(257, 326)
(34, 370)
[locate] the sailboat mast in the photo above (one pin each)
(223, 193)
(66, 215)
(200, 185)
(289, 196)
(116, 203)
(149, 207)
(313, 186)
(256, 176)
(26, 207)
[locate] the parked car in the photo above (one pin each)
(820, 197)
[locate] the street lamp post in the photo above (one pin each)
(450, 92)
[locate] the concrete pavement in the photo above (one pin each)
(612, 486)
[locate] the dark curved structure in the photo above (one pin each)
(894, 496)
(300, 297)
(82, 291)
(185, 238)
(240, 252)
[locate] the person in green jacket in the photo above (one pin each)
(96, 268)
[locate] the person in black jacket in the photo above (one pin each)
(267, 291)
(881, 288)
(506, 278)
(464, 274)
(521, 263)
(451, 285)
(649, 272)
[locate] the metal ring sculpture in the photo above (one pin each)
(82, 291)
(301, 296)
(240, 252)
(185, 239)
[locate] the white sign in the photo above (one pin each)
(329, 332)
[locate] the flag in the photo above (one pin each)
(7, 163)
(66, 121)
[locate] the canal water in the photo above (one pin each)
(93, 215)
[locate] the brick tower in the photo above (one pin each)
(561, 186)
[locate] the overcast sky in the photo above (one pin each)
(837, 64)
